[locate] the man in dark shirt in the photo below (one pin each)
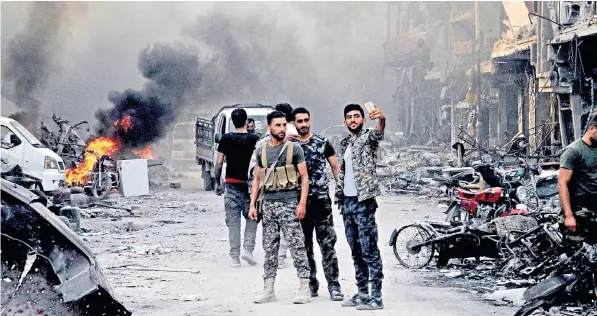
(577, 184)
(318, 152)
(237, 148)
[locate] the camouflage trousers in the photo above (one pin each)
(361, 233)
(320, 219)
(281, 216)
(586, 227)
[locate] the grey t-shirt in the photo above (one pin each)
(298, 156)
(350, 188)
(582, 160)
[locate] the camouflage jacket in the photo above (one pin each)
(364, 160)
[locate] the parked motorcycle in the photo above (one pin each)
(67, 143)
(574, 280)
(102, 178)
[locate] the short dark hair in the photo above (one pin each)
(239, 117)
(286, 109)
(592, 120)
(274, 115)
(299, 111)
(250, 120)
(353, 107)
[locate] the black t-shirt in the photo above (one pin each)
(238, 149)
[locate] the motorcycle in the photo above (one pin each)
(102, 178)
(573, 280)
(68, 143)
(509, 193)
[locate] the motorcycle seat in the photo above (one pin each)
(467, 193)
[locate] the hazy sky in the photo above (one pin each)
(98, 46)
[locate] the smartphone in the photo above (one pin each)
(371, 107)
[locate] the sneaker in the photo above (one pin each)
(355, 300)
(371, 304)
(336, 295)
(248, 257)
(282, 264)
(235, 262)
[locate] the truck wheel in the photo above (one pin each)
(208, 181)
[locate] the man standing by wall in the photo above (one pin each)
(319, 205)
(577, 185)
(237, 148)
(251, 126)
(355, 194)
(281, 207)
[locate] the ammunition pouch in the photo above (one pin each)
(282, 178)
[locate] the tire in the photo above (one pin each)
(424, 235)
(102, 192)
(454, 213)
(208, 181)
(529, 307)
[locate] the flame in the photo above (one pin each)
(145, 153)
(125, 123)
(101, 146)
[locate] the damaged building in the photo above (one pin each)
(525, 70)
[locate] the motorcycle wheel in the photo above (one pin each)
(529, 307)
(455, 214)
(413, 258)
(105, 189)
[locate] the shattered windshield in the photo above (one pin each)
(260, 124)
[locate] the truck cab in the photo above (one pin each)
(20, 147)
(209, 133)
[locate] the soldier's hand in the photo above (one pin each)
(301, 210)
(253, 213)
(377, 114)
(570, 223)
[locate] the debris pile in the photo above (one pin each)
(411, 170)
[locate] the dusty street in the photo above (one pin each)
(184, 229)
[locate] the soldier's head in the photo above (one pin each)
(302, 120)
(354, 118)
(251, 125)
(592, 130)
(276, 124)
(239, 118)
(286, 109)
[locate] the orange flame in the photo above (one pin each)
(101, 146)
(145, 153)
(125, 123)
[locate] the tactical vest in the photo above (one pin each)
(282, 178)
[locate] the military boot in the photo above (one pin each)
(268, 294)
(304, 295)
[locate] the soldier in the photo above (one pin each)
(319, 205)
(236, 148)
(251, 126)
(290, 135)
(356, 190)
(577, 185)
(280, 165)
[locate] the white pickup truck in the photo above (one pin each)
(20, 147)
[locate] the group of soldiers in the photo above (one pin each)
(281, 180)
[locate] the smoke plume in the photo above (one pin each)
(30, 56)
(172, 73)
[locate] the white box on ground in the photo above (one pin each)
(134, 177)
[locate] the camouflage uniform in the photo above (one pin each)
(359, 212)
(319, 216)
(281, 215)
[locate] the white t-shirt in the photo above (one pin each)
(350, 188)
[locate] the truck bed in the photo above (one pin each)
(204, 139)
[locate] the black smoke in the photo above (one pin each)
(173, 73)
(29, 57)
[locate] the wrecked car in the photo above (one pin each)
(46, 268)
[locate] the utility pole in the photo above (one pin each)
(478, 127)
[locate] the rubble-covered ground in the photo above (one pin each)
(170, 257)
